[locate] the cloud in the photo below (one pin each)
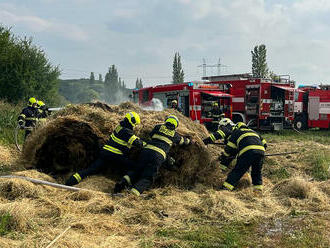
(37, 24)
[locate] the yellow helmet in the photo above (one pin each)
(174, 102)
(239, 125)
(32, 101)
(40, 103)
(133, 118)
(172, 119)
(215, 104)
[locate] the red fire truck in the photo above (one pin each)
(261, 103)
(194, 98)
(312, 107)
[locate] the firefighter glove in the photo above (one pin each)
(207, 141)
(186, 141)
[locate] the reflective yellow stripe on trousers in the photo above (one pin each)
(112, 149)
(157, 150)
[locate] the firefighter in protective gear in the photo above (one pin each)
(174, 105)
(249, 149)
(216, 114)
(153, 155)
(115, 151)
(43, 111)
(28, 117)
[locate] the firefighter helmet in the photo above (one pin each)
(133, 118)
(215, 104)
(239, 125)
(40, 104)
(225, 122)
(172, 120)
(32, 101)
(174, 102)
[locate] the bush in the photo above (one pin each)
(25, 70)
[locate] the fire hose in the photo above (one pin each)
(18, 127)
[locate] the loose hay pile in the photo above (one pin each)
(70, 141)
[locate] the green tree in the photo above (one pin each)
(25, 70)
(259, 64)
(92, 78)
(138, 83)
(100, 78)
(177, 74)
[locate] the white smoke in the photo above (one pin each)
(155, 105)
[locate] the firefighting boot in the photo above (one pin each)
(123, 184)
(73, 180)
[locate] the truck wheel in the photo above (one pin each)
(299, 123)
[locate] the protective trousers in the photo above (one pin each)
(250, 158)
(108, 159)
(146, 171)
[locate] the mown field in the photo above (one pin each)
(293, 211)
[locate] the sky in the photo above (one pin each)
(141, 36)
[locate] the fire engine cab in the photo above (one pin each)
(195, 99)
(312, 107)
(261, 103)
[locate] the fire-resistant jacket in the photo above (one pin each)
(29, 116)
(215, 113)
(242, 140)
(162, 138)
(122, 139)
(223, 133)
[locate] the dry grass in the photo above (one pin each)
(186, 200)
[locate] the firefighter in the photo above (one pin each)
(174, 105)
(28, 117)
(43, 111)
(153, 155)
(249, 149)
(216, 114)
(115, 151)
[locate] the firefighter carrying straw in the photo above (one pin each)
(115, 151)
(153, 155)
(28, 118)
(249, 148)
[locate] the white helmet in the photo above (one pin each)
(225, 121)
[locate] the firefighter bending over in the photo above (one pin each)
(249, 148)
(153, 155)
(28, 117)
(115, 151)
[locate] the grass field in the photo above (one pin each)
(293, 211)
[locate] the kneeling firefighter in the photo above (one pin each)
(249, 148)
(153, 155)
(115, 151)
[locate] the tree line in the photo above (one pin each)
(25, 71)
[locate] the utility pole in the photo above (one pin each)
(218, 65)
